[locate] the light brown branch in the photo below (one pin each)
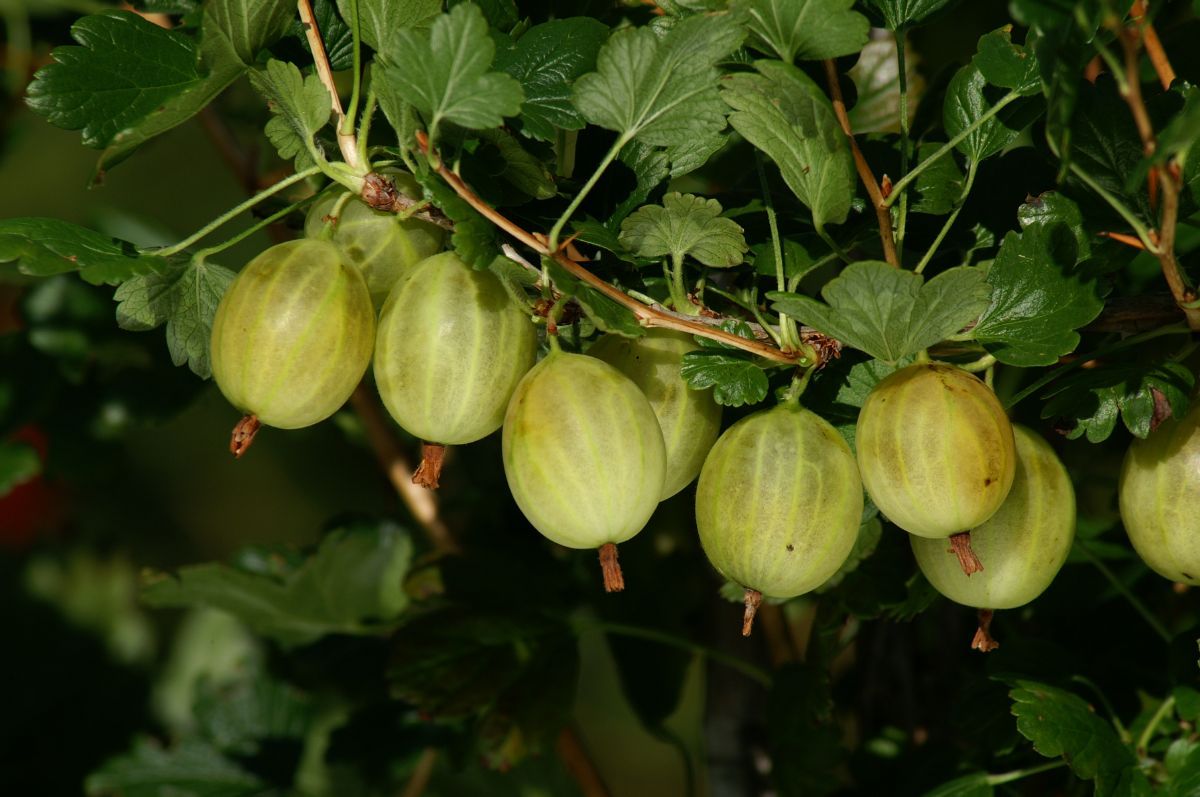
(422, 773)
(1154, 48)
(1123, 238)
(874, 192)
(647, 315)
(347, 142)
(421, 503)
(570, 749)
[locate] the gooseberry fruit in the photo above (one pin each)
(584, 455)
(1157, 498)
(1024, 543)
(380, 244)
(690, 419)
(293, 334)
(779, 504)
(936, 452)
(451, 348)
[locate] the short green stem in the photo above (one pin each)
(972, 168)
(662, 637)
(905, 142)
(609, 157)
(1143, 742)
(1018, 774)
(982, 364)
(278, 215)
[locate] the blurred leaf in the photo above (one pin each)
(1142, 394)
(796, 259)
(474, 237)
(382, 21)
(93, 88)
(650, 166)
(900, 14)
(245, 26)
(446, 73)
(1039, 298)
(660, 90)
(685, 224)
(1060, 723)
(237, 716)
(546, 60)
(185, 298)
(1187, 703)
(606, 314)
(522, 170)
(804, 741)
(45, 247)
(973, 785)
(887, 312)
(876, 77)
(939, 187)
(1007, 65)
(735, 378)
(18, 464)
(806, 29)
(967, 102)
(783, 113)
(500, 14)
(192, 768)
(350, 584)
(299, 106)
(1105, 144)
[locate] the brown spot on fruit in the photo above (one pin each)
(791, 547)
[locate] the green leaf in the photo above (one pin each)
(901, 14)
(606, 314)
(128, 81)
(876, 77)
(237, 716)
(796, 259)
(522, 170)
(18, 464)
(650, 167)
(660, 89)
(1007, 65)
(1141, 394)
(547, 60)
(1185, 782)
(300, 107)
(1039, 298)
(687, 156)
(887, 312)
(806, 29)
(193, 768)
(1060, 723)
(1187, 703)
(685, 224)
(735, 378)
(966, 102)
(500, 14)
(45, 247)
(974, 785)
(782, 112)
(939, 187)
(445, 73)
(185, 298)
(350, 584)
(381, 21)
(246, 26)
(335, 33)
(1104, 143)
(474, 237)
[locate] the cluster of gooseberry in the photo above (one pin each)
(593, 442)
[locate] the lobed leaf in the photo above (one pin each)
(735, 378)
(805, 29)
(44, 247)
(685, 224)
(1060, 723)
(299, 106)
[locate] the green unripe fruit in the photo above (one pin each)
(583, 454)
(935, 449)
(380, 244)
(293, 334)
(1158, 489)
(779, 503)
(451, 348)
(1023, 545)
(690, 419)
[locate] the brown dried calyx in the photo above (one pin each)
(983, 641)
(960, 546)
(752, 599)
(614, 580)
(243, 435)
(381, 194)
(430, 470)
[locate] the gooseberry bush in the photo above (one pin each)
(823, 325)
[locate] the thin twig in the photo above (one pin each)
(882, 212)
(421, 503)
(1124, 238)
(1154, 48)
(646, 315)
(571, 750)
(422, 773)
(347, 141)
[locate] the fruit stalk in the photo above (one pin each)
(983, 641)
(614, 579)
(960, 546)
(430, 470)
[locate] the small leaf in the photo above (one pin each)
(901, 14)
(45, 247)
(876, 77)
(1039, 298)
(1007, 65)
(1141, 394)
(967, 102)
(783, 113)
(522, 170)
(18, 464)
(474, 237)
(661, 89)
(939, 187)
(185, 298)
(685, 224)
(246, 26)
(351, 584)
(192, 767)
(887, 312)
(300, 107)
(808, 30)
(1060, 723)
(546, 60)
(735, 378)
(238, 716)
(445, 73)
(381, 21)
(606, 314)
(796, 260)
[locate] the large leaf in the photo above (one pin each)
(805, 29)
(661, 89)
(185, 298)
(1005, 64)
(381, 21)
(128, 81)
(18, 464)
(546, 60)
(351, 584)
(192, 768)
(300, 107)
(446, 75)
(1039, 297)
(782, 112)
(1060, 723)
(245, 26)
(45, 247)
(967, 102)
(901, 14)
(685, 224)
(887, 312)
